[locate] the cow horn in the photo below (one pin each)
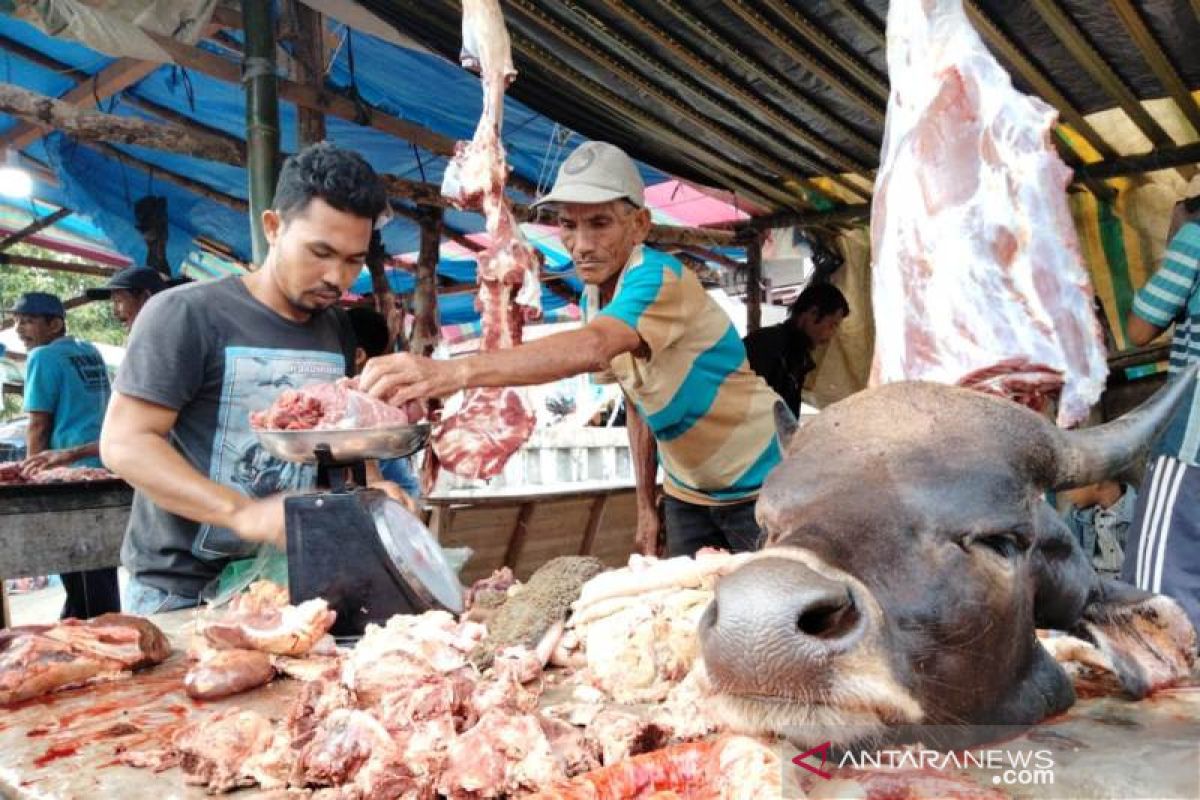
(1089, 455)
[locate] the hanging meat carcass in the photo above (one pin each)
(977, 277)
(493, 422)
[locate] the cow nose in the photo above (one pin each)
(776, 620)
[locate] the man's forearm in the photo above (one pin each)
(643, 451)
(89, 450)
(559, 356)
(37, 434)
(149, 463)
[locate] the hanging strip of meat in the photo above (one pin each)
(493, 423)
(977, 277)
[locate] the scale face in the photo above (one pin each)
(358, 549)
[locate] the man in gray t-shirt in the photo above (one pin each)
(203, 356)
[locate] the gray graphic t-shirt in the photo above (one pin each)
(214, 353)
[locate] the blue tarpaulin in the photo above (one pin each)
(416, 86)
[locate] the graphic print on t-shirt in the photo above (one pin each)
(91, 371)
(254, 377)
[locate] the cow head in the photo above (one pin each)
(910, 556)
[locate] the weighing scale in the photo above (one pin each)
(355, 547)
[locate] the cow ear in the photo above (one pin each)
(785, 424)
(1147, 638)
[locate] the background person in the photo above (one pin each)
(782, 353)
(66, 392)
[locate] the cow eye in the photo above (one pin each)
(1002, 544)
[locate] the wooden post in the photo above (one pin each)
(426, 325)
(754, 283)
(381, 290)
(309, 50)
(262, 116)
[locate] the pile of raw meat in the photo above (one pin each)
(331, 406)
(406, 713)
(38, 659)
(12, 474)
(493, 422)
(977, 278)
(258, 635)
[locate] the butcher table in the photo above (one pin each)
(65, 745)
(51, 528)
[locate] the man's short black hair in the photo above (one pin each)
(370, 330)
(340, 177)
(824, 297)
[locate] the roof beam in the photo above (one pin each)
(454, 235)
(703, 158)
(1163, 158)
(323, 100)
(171, 115)
(1166, 73)
(430, 195)
(116, 77)
(769, 76)
(732, 139)
(191, 185)
(24, 51)
(831, 49)
(872, 107)
(33, 227)
(788, 219)
(864, 21)
(999, 42)
(49, 113)
(56, 266)
(707, 68)
(1122, 166)
(1068, 33)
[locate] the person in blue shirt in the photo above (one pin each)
(66, 394)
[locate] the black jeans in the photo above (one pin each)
(91, 593)
(691, 527)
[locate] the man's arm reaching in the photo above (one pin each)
(133, 444)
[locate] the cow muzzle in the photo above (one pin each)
(776, 626)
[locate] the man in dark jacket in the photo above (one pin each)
(782, 354)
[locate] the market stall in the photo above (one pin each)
(60, 527)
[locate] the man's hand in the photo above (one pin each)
(650, 539)
(261, 521)
(394, 491)
(399, 378)
(47, 459)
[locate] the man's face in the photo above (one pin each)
(820, 329)
(126, 304)
(35, 330)
(601, 236)
(317, 253)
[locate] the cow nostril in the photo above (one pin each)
(828, 619)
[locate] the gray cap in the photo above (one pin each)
(596, 172)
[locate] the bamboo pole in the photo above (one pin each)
(262, 116)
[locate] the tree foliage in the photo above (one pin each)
(93, 321)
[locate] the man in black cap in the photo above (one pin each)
(66, 393)
(129, 290)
